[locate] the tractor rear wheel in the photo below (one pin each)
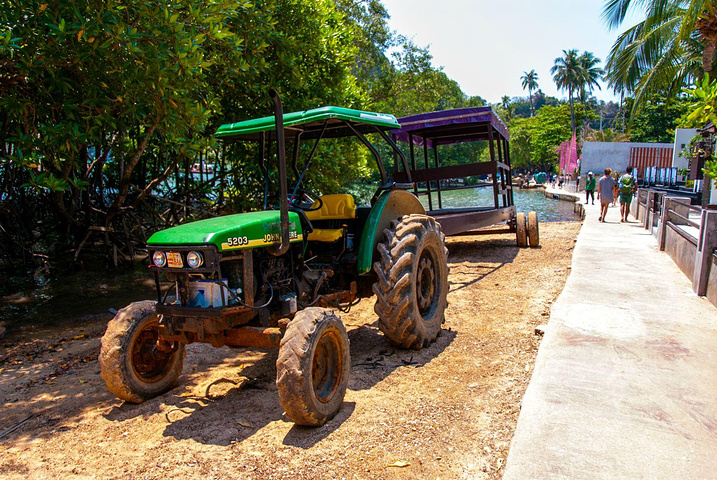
(532, 224)
(521, 232)
(412, 287)
(312, 371)
(132, 366)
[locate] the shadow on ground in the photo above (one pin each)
(241, 398)
(472, 259)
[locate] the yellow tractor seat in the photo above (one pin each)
(339, 206)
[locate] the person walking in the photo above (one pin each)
(605, 193)
(590, 188)
(627, 188)
(615, 190)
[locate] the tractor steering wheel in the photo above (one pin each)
(305, 199)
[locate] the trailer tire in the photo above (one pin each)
(533, 237)
(521, 233)
(412, 287)
(131, 365)
(312, 371)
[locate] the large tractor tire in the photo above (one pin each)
(312, 371)
(521, 230)
(412, 281)
(131, 365)
(532, 224)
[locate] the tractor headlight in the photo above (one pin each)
(194, 259)
(159, 259)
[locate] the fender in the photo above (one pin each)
(391, 205)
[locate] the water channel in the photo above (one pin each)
(548, 209)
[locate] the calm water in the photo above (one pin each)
(548, 209)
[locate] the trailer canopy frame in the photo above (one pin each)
(427, 131)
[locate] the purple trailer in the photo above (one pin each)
(428, 131)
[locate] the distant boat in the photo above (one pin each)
(208, 168)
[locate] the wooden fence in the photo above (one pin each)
(688, 233)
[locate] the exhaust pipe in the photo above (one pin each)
(283, 247)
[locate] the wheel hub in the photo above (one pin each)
(425, 283)
(147, 361)
(326, 367)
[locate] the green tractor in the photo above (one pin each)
(274, 278)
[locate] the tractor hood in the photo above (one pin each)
(231, 232)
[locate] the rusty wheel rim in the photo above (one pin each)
(148, 363)
(425, 283)
(327, 367)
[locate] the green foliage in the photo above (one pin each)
(567, 75)
(542, 99)
(107, 74)
(605, 135)
(663, 53)
(656, 122)
(530, 81)
(701, 110)
(711, 169)
(576, 74)
(703, 106)
(534, 141)
(590, 74)
(105, 102)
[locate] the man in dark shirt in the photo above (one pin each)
(590, 188)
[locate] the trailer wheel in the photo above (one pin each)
(521, 230)
(412, 281)
(132, 366)
(312, 371)
(533, 237)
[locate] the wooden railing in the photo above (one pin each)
(688, 233)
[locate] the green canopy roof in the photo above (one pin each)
(311, 122)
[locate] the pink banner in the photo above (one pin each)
(568, 156)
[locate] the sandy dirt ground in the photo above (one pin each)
(445, 412)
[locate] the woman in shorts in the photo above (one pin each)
(606, 187)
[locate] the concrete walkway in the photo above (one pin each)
(625, 382)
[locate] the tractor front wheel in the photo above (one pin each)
(412, 287)
(132, 366)
(312, 371)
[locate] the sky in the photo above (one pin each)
(486, 46)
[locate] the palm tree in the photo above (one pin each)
(590, 74)
(507, 106)
(530, 81)
(567, 75)
(672, 47)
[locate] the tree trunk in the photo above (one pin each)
(708, 54)
(530, 95)
(126, 177)
(707, 28)
(572, 110)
